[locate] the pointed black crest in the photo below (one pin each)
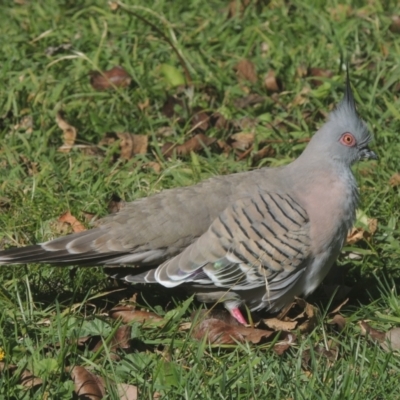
(348, 100)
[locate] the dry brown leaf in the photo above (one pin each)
(130, 314)
(301, 98)
(319, 73)
(88, 217)
(245, 70)
(113, 5)
(195, 144)
(395, 180)
(266, 151)
(127, 392)
(302, 312)
(285, 344)
(121, 338)
(357, 233)
(142, 106)
(339, 321)
(242, 140)
(368, 330)
(237, 7)
(68, 218)
(155, 166)
(219, 121)
(69, 133)
(27, 380)
(250, 100)
(132, 144)
(200, 120)
(279, 325)
(31, 166)
(271, 83)
(87, 385)
(111, 79)
(301, 71)
(25, 124)
(395, 24)
(217, 331)
(171, 106)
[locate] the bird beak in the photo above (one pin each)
(367, 154)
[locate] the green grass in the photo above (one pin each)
(38, 183)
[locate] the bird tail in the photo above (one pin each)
(74, 249)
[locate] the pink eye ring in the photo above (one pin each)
(348, 139)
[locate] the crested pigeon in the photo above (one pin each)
(256, 238)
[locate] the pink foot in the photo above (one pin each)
(235, 312)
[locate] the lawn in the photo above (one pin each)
(256, 79)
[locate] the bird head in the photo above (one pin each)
(345, 136)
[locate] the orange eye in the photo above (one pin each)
(348, 139)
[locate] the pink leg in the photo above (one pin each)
(235, 312)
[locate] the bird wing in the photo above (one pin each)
(258, 241)
(255, 241)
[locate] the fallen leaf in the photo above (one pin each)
(130, 314)
(245, 70)
(132, 144)
(331, 354)
(113, 5)
(27, 379)
(68, 218)
(155, 166)
(368, 330)
(87, 385)
(301, 71)
(242, 140)
(395, 24)
(302, 312)
(143, 105)
(219, 121)
(250, 100)
(319, 73)
(339, 321)
(31, 166)
(285, 344)
(87, 216)
(127, 392)
(121, 340)
(172, 106)
(395, 180)
(279, 325)
(114, 78)
(271, 83)
(301, 98)
(358, 233)
(266, 151)
(219, 328)
(25, 124)
(69, 133)
(200, 120)
(237, 7)
(195, 144)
